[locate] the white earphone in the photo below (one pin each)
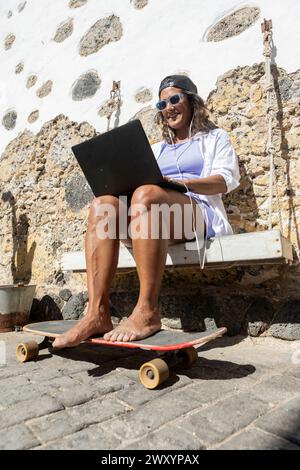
(201, 261)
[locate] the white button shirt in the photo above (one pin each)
(219, 159)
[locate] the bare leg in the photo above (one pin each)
(150, 256)
(101, 263)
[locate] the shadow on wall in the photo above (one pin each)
(21, 261)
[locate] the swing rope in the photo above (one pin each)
(266, 28)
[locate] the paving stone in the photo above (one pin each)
(255, 439)
(276, 389)
(26, 410)
(103, 381)
(283, 421)
(93, 389)
(153, 414)
(45, 375)
(214, 423)
(137, 395)
(267, 352)
(15, 395)
(63, 366)
(18, 437)
(97, 411)
(56, 386)
(12, 371)
(49, 428)
(208, 391)
(219, 370)
(168, 437)
(91, 438)
(76, 396)
(294, 371)
(14, 383)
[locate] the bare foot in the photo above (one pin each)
(88, 326)
(139, 325)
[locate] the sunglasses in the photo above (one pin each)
(174, 99)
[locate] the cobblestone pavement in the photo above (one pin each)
(242, 393)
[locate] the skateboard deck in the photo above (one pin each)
(172, 346)
(163, 340)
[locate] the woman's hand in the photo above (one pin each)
(174, 180)
(214, 184)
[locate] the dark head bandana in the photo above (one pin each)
(178, 81)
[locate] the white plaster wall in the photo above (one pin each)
(164, 37)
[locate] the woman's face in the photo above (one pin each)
(178, 116)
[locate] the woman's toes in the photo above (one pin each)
(120, 336)
(132, 337)
(107, 336)
(58, 343)
(111, 336)
(126, 337)
(117, 336)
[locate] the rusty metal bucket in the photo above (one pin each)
(15, 305)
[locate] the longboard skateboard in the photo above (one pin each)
(173, 347)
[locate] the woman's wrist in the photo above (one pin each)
(210, 185)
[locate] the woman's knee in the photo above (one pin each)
(148, 194)
(99, 202)
(104, 207)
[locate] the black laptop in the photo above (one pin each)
(119, 161)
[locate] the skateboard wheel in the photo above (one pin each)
(188, 356)
(27, 351)
(154, 373)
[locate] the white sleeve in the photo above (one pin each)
(225, 162)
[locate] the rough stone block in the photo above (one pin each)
(213, 424)
(276, 389)
(259, 316)
(233, 24)
(143, 420)
(49, 428)
(168, 437)
(103, 32)
(86, 85)
(255, 439)
(26, 410)
(137, 395)
(286, 323)
(74, 307)
(18, 437)
(91, 438)
(283, 421)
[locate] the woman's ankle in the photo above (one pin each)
(147, 306)
(97, 310)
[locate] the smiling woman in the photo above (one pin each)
(194, 151)
(203, 160)
(198, 114)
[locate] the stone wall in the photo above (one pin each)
(45, 199)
